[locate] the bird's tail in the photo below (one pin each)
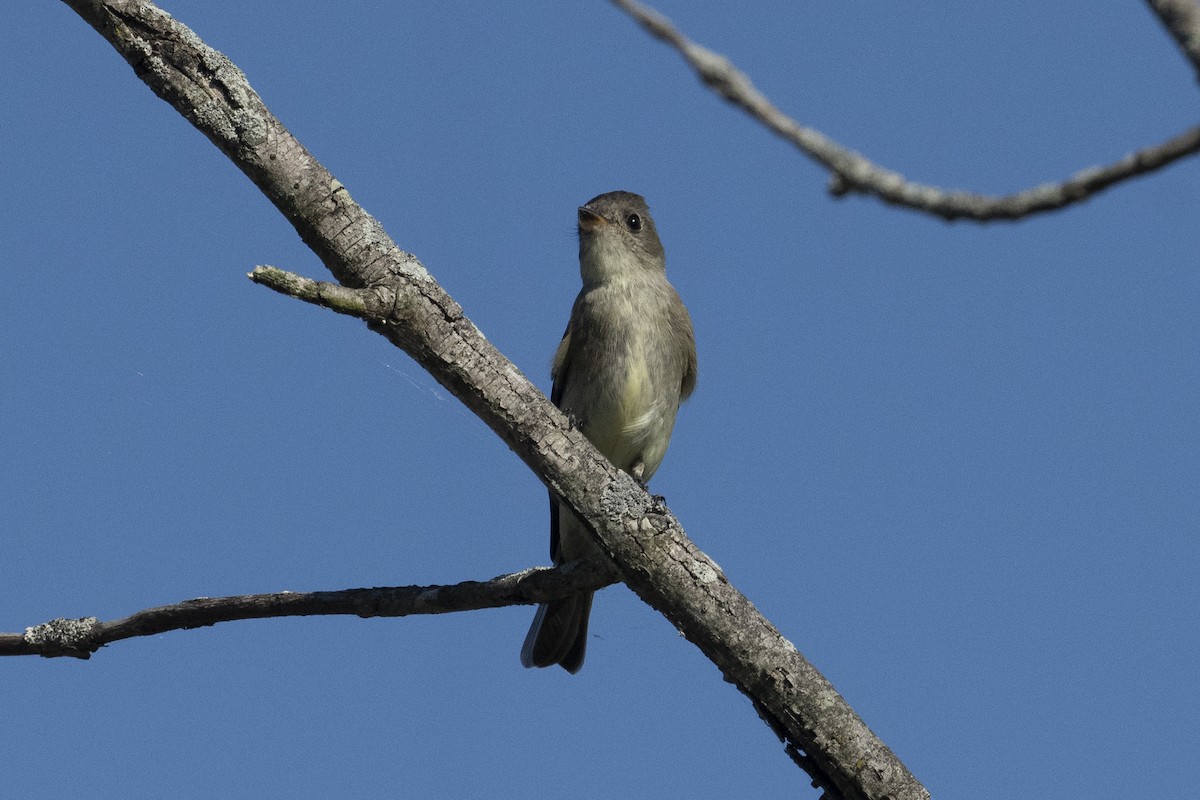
(558, 634)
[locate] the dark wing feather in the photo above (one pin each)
(558, 372)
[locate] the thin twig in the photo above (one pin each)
(79, 638)
(853, 172)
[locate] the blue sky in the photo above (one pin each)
(957, 465)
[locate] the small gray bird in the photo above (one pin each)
(625, 363)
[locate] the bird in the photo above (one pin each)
(625, 363)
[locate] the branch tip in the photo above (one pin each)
(854, 173)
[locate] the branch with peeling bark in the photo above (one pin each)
(407, 306)
(853, 172)
(79, 638)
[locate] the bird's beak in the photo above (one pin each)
(589, 220)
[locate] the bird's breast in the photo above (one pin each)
(624, 387)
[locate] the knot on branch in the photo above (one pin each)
(624, 498)
(77, 638)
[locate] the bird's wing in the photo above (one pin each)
(558, 373)
(684, 323)
(560, 366)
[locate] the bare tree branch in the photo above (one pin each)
(1182, 20)
(852, 172)
(80, 638)
(642, 537)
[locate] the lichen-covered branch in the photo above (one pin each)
(641, 537)
(853, 172)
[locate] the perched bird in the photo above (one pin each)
(625, 363)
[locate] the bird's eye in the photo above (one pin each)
(634, 221)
